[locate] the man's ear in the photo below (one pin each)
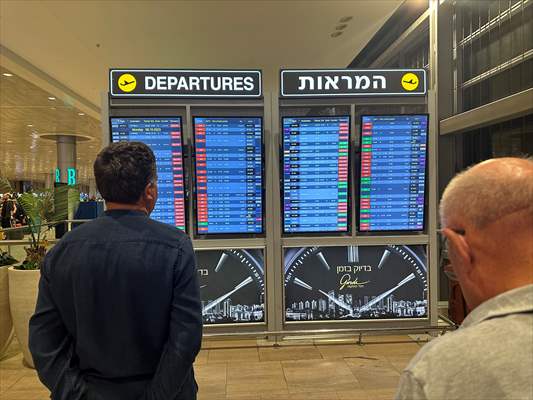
(150, 192)
(460, 247)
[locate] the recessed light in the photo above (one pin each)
(29, 125)
(341, 27)
(7, 74)
(52, 98)
(10, 141)
(81, 114)
(336, 34)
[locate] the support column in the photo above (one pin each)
(66, 158)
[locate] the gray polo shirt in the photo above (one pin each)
(489, 357)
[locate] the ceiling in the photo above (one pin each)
(74, 43)
(26, 112)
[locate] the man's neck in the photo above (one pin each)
(110, 206)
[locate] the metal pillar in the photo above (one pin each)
(66, 156)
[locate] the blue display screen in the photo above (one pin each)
(393, 172)
(164, 136)
(229, 175)
(315, 174)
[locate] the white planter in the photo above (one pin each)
(6, 324)
(23, 289)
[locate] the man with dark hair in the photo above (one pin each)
(118, 315)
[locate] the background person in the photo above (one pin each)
(487, 216)
(118, 315)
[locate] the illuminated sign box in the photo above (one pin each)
(352, 82)
(185, 83)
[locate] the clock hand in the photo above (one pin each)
(384, 257)
(367, 306)
(323, 260)
(221, 262)
(225, 296)
(337, 301)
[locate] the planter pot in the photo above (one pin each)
(23, 289)
(6, 324)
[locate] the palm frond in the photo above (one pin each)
(5, 186)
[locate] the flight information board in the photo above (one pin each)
(393, 172)
(315, 174)
(164, 136)
(229, 175)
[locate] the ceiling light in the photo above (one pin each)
(81, 114)
(29, 125)
(9, 141)
(336, 34)
(341, 27)
(7, 74)
(52, 98)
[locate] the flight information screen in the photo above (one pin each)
(393, 172)
(229, 175)
(164, 136)
(315, 174)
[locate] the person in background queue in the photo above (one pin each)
(118, 315)
(487, 218)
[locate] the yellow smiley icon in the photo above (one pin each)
(409, 81)
(127, 82)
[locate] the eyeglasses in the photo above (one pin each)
(448, 268)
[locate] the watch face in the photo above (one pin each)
(355, 282)
(232, 285)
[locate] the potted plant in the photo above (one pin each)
(6, 323)
(42, 213)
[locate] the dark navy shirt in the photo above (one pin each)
(118, 315)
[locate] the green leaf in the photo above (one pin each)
(5, 186)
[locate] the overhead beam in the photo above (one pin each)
(23, 68)
(513, 106)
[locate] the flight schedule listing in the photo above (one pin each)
(229, 175)
(393, 172)
(164, 137)
(315, 174)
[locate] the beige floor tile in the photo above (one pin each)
(399, 362)
(201, 358)
(27, 388)
(387, 339)
(318, 376)
(211, 380)
(244, 396)
(374, 372)
(392, 349)
(260, 377)
(233, 355)
(289, 353)
(381, 394)
(358, 394)
(302, 396)
(341, 351)
(228, 344)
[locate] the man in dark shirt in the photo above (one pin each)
(118, 315)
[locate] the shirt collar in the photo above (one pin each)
(514, 301)
(118, 212)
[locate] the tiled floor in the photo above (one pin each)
(254, 370)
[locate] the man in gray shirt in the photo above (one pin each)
(487, 219)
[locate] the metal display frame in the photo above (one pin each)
(271, 107)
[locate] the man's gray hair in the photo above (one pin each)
(482, 197)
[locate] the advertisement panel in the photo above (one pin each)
(355, 282)
(232, 285)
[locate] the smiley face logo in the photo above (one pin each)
(127, 83)
(410, 81)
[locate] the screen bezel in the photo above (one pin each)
(185, 198)
(228, 235)
(391, 231)
(348, 232)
